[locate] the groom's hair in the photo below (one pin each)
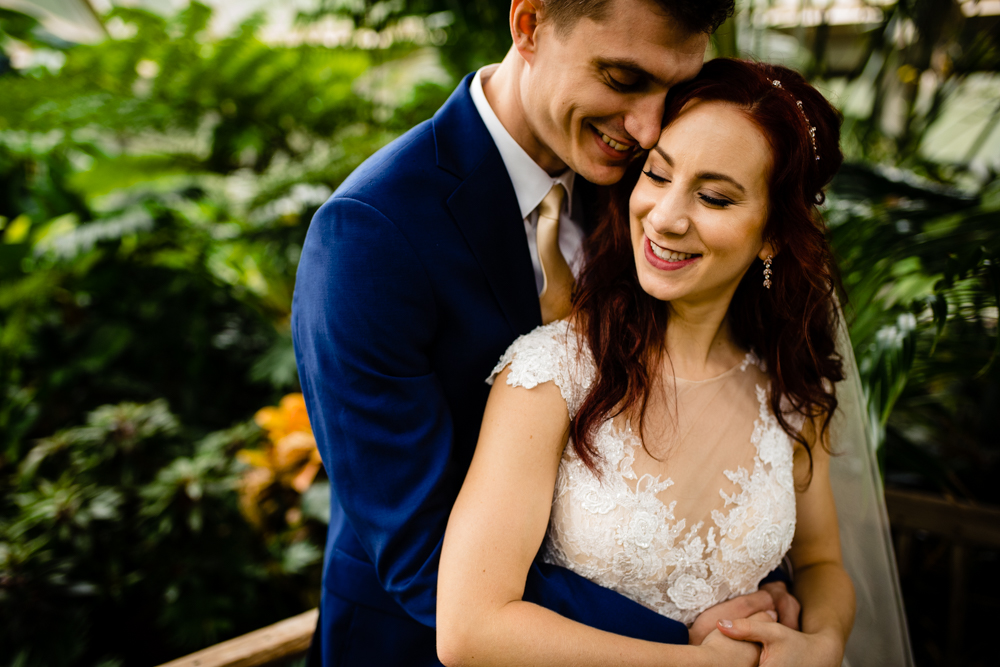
(695, 15)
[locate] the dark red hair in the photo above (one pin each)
(791, 326)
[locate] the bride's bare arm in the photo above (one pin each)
(495, 530)
(822, 586)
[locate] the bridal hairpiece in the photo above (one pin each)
(812, 128)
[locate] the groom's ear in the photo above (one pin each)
(524, 16)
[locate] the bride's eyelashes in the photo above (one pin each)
(715, 201)
(718, 202)
(659, 180)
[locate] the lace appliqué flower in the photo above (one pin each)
(549, 353)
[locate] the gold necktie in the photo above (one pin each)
(557, 290)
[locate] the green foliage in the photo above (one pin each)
(919, 262)
(121, 539)
(473, 33)
(158, 193)
(154, 196)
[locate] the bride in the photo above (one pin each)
(671, 440)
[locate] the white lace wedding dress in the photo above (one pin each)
(703, 521)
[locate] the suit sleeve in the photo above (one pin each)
(363, 322)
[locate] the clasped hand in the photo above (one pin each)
(780, 645)
(765, 626)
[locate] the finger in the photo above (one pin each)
(788, 611)
(702, 626)
(787, 605)
(755, 602)
(751, 629)
(743, 606)
(775, 588)
(769, 616)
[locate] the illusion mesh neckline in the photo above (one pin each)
(748, 359)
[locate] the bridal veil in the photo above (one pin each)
(880, 635)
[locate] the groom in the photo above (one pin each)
(424, 266)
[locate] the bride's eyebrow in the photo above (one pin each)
(705, 176)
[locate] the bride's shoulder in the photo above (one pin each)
(539, 351)
(551, 352)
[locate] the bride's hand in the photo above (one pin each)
(782, 646)
(725, 652)
(743, 606)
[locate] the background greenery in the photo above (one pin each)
(155, 190)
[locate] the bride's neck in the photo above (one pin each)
(699, 341)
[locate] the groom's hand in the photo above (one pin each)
(742, 607)
(785, 604)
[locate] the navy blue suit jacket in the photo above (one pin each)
(414, 278)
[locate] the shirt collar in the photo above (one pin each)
(531, 182)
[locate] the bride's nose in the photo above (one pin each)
(671, 214)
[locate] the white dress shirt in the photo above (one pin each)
(531, 184)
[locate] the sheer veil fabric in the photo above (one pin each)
(880, 635)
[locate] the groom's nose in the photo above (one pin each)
(644, 118)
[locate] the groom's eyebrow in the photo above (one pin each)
(629, 65)
(705, 176)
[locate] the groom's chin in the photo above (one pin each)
(597, 167)
(602, 173)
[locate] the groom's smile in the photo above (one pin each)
(594, 90)
(615, 147)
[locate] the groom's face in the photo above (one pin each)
(597, 88)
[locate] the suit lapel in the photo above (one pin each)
(485, 208)
(486, 211)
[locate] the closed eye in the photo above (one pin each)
(714, 201)
(630, 82)
(620, 86)
(659, 180)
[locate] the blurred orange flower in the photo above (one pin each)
(289, 459)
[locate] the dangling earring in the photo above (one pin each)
(767, 272)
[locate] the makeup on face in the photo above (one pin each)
(697, 214)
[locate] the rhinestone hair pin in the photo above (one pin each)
(812, 128)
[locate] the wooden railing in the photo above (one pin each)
(281, 642)
(963, 524)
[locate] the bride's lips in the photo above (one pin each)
(663, 264)
(612, 153)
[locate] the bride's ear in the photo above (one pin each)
(767, 250)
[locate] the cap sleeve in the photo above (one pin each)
(550, 353)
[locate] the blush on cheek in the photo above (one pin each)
(633, 204)
(638, 244)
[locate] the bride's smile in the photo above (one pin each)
(699, 209)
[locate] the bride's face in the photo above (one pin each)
(699, 208)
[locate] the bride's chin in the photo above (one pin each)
(658, 291)
(657, 286)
